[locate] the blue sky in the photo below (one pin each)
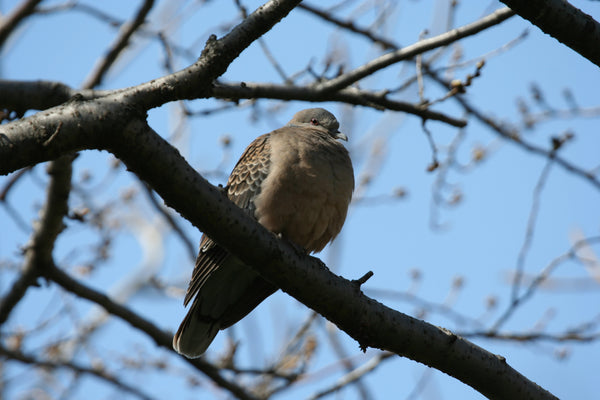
(481, 238)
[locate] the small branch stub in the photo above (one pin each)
(360, 281)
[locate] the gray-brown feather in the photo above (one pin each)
(242, 187)
(297, 181)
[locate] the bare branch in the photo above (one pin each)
(190, 247)
(565, 23)
(354, 375)
(21, 96)
(535, 337)
(38, 252)
(513, 137)
(162, 338)
(24, 95)
(529, 231)
(301, 276)
(540, 278)
(349, 25)
(13, 179)
(420, 47)
(76, 368)
(12, 20)
(116, 121)
(349, 96)
(95, 77)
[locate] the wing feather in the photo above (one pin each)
(242, 188)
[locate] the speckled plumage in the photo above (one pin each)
(297, 181)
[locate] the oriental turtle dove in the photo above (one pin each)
(297, 181)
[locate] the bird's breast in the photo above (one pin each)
(306, 194)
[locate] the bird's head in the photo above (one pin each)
(318, 118)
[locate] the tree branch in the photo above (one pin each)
(512, 137)
(349, 25)
(303, 277)
(76, 368)
(160, 337)
(21, 96)
(38, 252)
(567, 24)
(12, 20)
(195, 81)
(349, 96)
(117, 123)
(420, 47)
(127, 30)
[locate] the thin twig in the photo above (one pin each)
(529, 231)
(160, 337)
(354, 375)
(95, 77)
(190, 247)
(76, 368)
(534, 337)
(14, 178)
(349, 25)
(541, 277)
(512, 136)
(38, 252)
(9, 23)
(420, 47)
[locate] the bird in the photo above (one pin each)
(297, 181)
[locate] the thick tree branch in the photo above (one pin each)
(21, 96)
(195, 81)
(96, 116)
(567, 24)
(116, 123)
(155, 161)
(38, 254)
(45, 94)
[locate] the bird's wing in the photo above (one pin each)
(242, 188)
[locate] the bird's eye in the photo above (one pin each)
(314, 121)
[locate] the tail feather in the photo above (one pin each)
(228, 294)
(194, 335)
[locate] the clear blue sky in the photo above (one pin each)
(482, 235)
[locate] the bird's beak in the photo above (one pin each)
(340, 135)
